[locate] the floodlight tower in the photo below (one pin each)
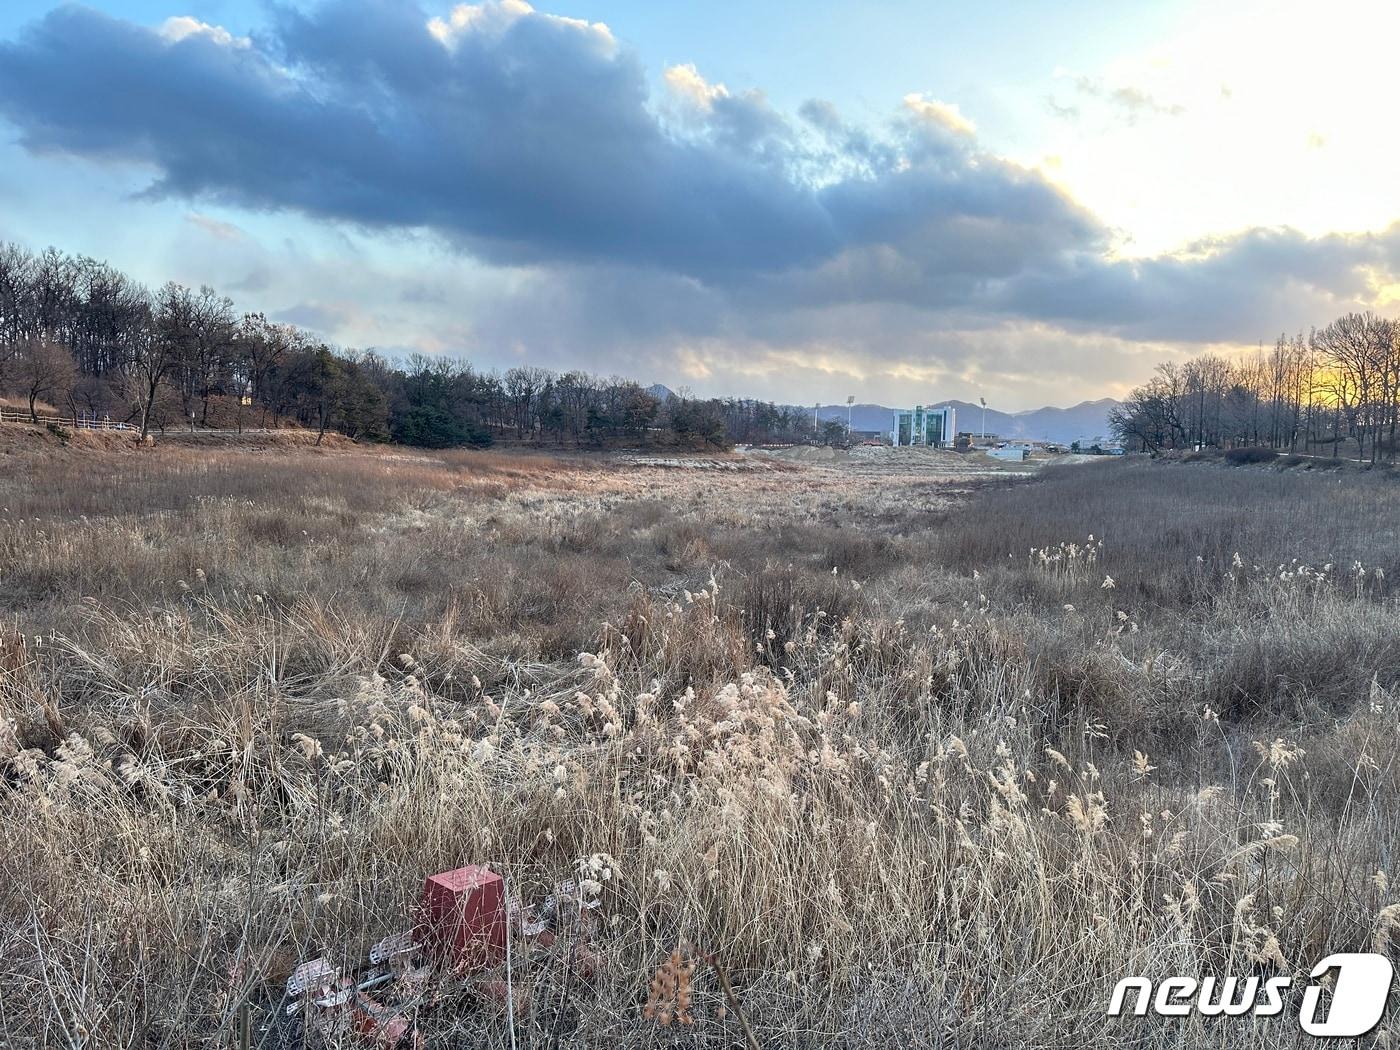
(850, 400)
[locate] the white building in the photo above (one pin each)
(927, 427)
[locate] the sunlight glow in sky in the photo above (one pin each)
(1029, 202)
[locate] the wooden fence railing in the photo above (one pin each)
(12, 415)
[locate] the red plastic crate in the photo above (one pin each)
(464, 917)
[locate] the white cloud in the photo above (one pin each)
(686, 84)
(181, 27)
(943, 114)
(494, 17)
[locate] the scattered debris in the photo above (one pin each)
(468, 933)
(331, 1002)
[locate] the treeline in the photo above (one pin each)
(1335, 391)
(80, 335)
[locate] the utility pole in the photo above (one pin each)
(850, 400)
(815, 409)
(984, 417)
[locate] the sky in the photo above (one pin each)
(901, 201)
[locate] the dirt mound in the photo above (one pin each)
(255, 440)
(57, 439)
(25, 438)
(798, 453)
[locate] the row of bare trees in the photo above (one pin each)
(1334, 392)
(80, 335)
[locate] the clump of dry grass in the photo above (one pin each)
(927, 796)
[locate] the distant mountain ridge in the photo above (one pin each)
(1085, 422)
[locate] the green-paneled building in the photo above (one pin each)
(928, 427)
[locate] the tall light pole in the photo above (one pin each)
(850, 400)
(984, 417)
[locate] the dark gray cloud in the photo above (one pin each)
(522, 137)
(526, 141)
(1238, 288)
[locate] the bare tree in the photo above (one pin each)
(157, 347)
(523, 387)
(44, 369)
(1359, 347)
(16, 280)
(260, 347)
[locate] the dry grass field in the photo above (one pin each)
(921, 753)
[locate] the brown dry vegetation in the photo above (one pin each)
(944, 795)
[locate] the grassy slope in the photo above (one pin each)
(949, 793)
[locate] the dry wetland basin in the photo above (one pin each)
(909, 749)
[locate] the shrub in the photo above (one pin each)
(1241, 456)
(426, 426)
